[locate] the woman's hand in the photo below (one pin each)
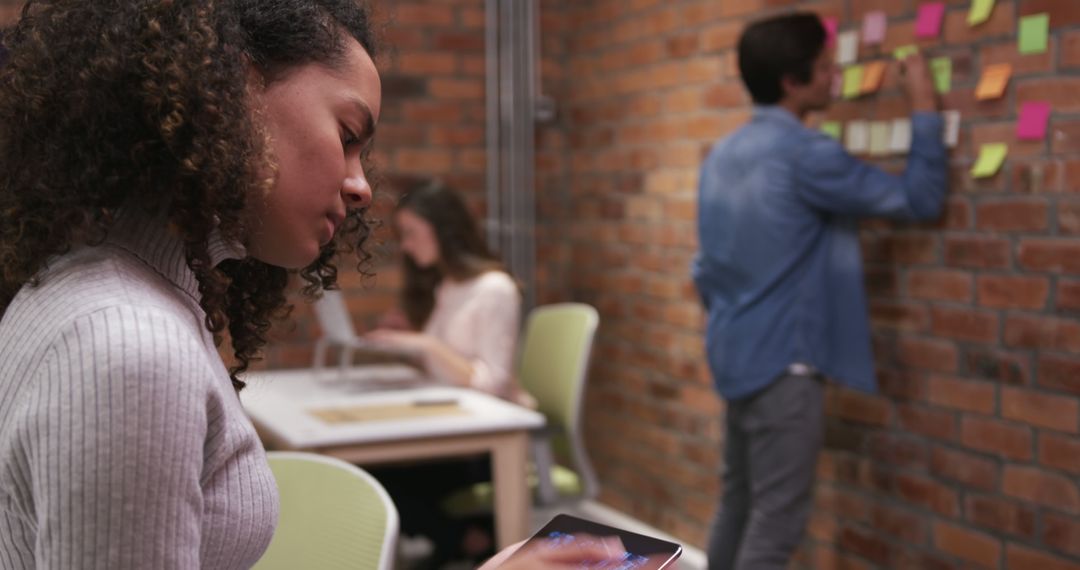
(545, 554)
(403, 341)
(395, 320)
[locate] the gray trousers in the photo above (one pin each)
(770, 461)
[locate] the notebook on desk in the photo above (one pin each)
(388, 412)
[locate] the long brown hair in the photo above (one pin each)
(105, 100)
(463, 253)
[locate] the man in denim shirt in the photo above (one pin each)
(780, 275)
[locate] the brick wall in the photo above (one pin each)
(970, 456)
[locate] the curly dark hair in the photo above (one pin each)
(463, 253)
(105, 100)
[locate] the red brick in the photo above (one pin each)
(1042, 488)
(939, 285)
(899, 315)
(1043, 410)
(1070, 49)
(969, 545)
(965, 324)
(966, 395)
(843, 503)
(857, 406)
(1060, 92)
(406, 15)
(866, 544)
(427, 63)
(966, 468)
(928, 422)
(1069, 217)
(898, 449)
(445, 88)
(1015, 215)
(720, 36)
(903, 249)
(1013, 291)
(999, 365)
(460, 41)
(1007, 52)
(1023, 558)
(898, 523)
(977, 252)
(1005, 132)
(1060, 452)
(1046, 333)
(927, 494)
(1000, 515)
(956, 29)
(1062, 14)
(1008, 440)
(1062, 533)
(1065, 137)
(927, 354)
(1060, 373)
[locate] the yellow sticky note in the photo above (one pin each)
(904, 51)
(991, 157)
(853, 81)
(832, 128)
(1034, 34)
(873, 74)
(993, 81)
(942, 70)
(980, 12)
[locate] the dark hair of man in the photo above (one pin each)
(463, 253)
(779, 47)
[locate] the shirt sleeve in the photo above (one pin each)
(496, 321)
(115, 430)
(830, 179)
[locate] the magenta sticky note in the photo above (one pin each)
(831, 26)
(873, 29)
(928, 24)
(1034, 116)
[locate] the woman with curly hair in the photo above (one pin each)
(164, 167)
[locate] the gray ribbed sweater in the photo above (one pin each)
(122, 442)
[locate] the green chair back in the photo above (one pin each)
(554, 359)
(334, 516)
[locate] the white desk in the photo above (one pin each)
(280, 404)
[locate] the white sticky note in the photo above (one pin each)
(900, 141)
(952, 128)
(879, 138)
(857, 137)
(847, 47)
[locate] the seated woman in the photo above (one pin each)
(461, 314)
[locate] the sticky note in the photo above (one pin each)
(831, 25)
(1034, 33)
(857, 137)
(847, 47)
(951, 136)
(980, 12)
(941, 67)
(1032, 122)
(832, 128)
(904, 51)
(873, 74)
(900, 137)
(879, 138)
(873, 29)
(928, 22)
(991, 157)
(993, 81)
(853, 81)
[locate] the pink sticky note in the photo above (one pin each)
(831, 25)
(873, 29)
(928, 24)
(1032, 122)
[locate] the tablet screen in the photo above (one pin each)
(642, 552)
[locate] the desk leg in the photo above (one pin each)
(509, 458)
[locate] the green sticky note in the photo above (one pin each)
(852, 81)
(1034, 33)
(980, 12)
(831, 128)
(904, 51)
(991, 157)
(942, 69)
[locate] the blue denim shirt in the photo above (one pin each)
(780, 267)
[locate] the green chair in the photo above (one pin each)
(333, 516)
(552, 366)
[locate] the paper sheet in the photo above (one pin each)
(873, 74)
(994, 80)
(941, 67)
(847, 47)
(1034, 35)
(874, 26)
(900, 139)
(991, 157)
(951, 135)
(857, 137)
(879, 138)
(1034, 116)
(928, 22)
(980, 12)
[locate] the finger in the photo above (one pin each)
(586, 548)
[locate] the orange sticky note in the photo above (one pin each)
(873, 74)
(993, 81)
